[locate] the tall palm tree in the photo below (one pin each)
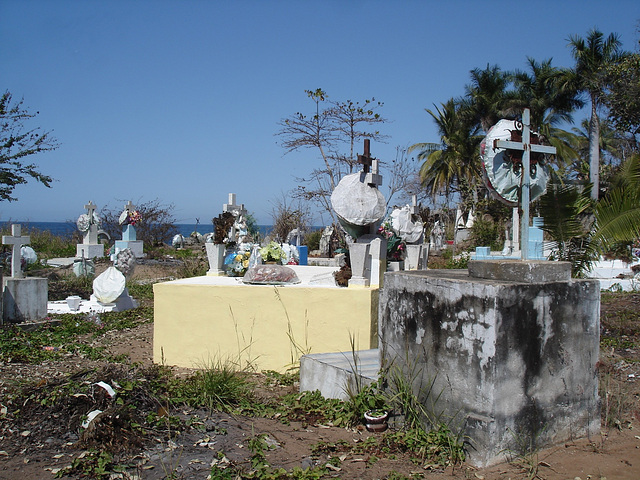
(593, 55)
(487, 96)
(456, 159)
(551, 100)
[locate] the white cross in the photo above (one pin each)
(232, 207)
(90, 209)
(129, 207)
(17, 241)
(527, 147)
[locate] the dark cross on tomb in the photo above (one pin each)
(366, 159)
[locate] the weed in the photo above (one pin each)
(615, 401)
(193, 267)
(285, 379)
(218, 386)
(526, 453)
(92, 464)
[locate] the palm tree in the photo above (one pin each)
(593, 56)
(487, 96)
(455, 161)
(551, 100)
(618, 214)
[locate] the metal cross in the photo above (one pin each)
(527, 147)
(366, 159)
(17, 241)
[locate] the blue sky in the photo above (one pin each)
(179, 100)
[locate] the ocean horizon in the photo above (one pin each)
(66, 229)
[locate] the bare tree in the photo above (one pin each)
(335, 131)
(289, 215)
(157, 224)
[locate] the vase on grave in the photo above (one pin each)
(215, 255)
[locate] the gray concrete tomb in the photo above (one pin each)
(511, 348)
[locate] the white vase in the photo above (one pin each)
(215, 255)
(73, 302)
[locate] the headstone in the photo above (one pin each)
(89, 224)
(128, 217)
(24, 299)
(509, 351)
(239, 229)
(356, 200)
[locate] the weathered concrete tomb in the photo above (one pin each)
(509, 347)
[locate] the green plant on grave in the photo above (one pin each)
(272, 252)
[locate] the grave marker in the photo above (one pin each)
(16, 240)
(526, 147)
(23, 299)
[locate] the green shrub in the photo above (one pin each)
(312, 240)
(487, 233)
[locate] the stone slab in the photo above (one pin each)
(522, 271)
(89, 251)
(24, 299)
(334, 373)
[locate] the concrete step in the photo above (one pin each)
(331, 373)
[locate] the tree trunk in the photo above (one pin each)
(594, 150)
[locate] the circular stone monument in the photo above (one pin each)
(357, 204)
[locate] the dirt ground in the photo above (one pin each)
(36, 447)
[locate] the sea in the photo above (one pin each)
(66, 229)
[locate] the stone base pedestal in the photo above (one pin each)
(215, 255)
(511, 351)
(122, 303)
(89, 251)
(25, 299)
(136, 247)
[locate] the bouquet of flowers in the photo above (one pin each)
(236, 263)
(130, 217)
(395, 246)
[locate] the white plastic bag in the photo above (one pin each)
(109, 285)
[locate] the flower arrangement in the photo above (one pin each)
(130, 217)
(272, 252)
(395, 246)
(236, 263)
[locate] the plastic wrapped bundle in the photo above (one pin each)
(270, 275)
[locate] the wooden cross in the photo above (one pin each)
(527, 147)
(17, 241)
(365, 159)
